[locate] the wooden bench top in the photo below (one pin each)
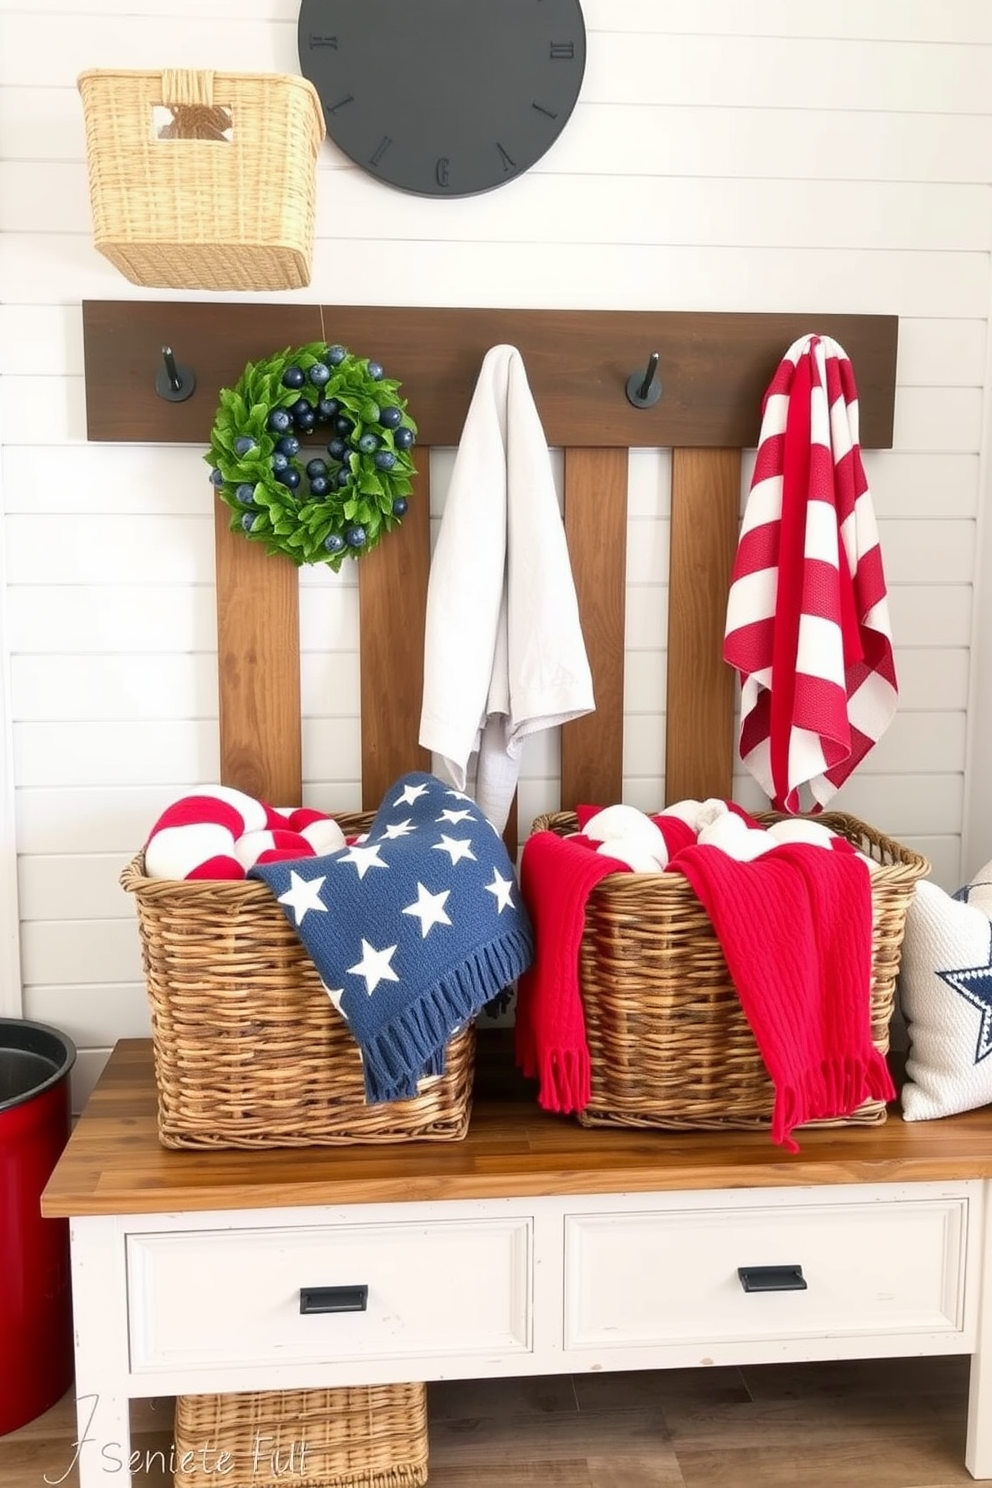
(114, 1164)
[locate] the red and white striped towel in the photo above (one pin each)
(807, 616)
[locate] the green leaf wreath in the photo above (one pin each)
(313, 507)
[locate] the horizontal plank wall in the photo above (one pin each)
(713, 371)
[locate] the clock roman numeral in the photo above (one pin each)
(508, 163)
(332, 108)
(323, 41)
(548, 113)
(380, 150)
(560, 51)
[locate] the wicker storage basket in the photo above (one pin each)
(203, 180)
(373, 1436)
(670, 1044)
(248, 1050)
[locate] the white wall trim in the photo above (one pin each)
(11, 993)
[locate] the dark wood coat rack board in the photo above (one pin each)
(714, 369)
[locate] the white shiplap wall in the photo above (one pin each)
(728, 155)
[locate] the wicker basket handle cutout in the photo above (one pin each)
(187, 110)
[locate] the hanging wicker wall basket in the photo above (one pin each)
(203, 180)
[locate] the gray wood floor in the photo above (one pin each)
(896, 1423)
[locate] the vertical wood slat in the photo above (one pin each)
(596, 530)
(258, 667)
(392, 592)
(699, 723)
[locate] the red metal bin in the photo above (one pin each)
(36, 1356)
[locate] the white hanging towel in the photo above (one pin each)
(504, 655)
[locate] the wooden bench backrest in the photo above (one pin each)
(713, 369)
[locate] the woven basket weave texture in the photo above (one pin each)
(371, 1436)
(669, 1041)
(203, 180)
(248, 1050)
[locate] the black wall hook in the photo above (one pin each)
(172, 381)
(643, 388)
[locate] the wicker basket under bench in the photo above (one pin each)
(669, 1041)
(249, 1051)
(370, 1436)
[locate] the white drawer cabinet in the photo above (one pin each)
(757, 1272)
(201, 1299)
(531, 1247)
(543, 1285)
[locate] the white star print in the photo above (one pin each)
(335, 994)
(410, 794)
(458, 795)
(501, 888)
(363, 858)
(303, 894)
(374, 966)
(455, 816)
(456, 847)
(429, 909)
(399, 829)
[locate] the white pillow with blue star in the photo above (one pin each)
(979, 891)
(945, 988)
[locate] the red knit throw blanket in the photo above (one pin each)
(807, 615)
(557, 875)
(795, 929)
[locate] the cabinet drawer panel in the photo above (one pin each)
(664, 1277)
(218, 1297)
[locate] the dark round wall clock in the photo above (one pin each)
(444, 97)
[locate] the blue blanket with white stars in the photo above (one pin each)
(412, 930)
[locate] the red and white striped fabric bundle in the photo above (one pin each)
(807, 616)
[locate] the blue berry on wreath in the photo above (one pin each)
(318, 504)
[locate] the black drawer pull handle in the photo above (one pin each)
(772, 1278)
(334, 1299)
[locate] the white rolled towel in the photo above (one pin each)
(732, 835)
(796, 829)
(632, 828)
(686, 811)
(712, 810)
(632, 853)
(698, 814)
